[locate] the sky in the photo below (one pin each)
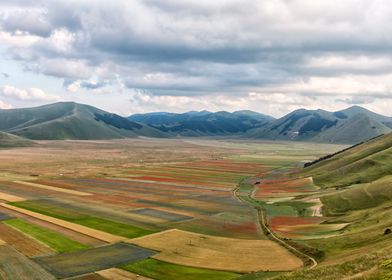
(136, 56)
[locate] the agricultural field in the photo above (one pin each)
(14, 265)
(22, 243)
(161, 209)
(79, 263)
(165, 271)
(53, 240)
(220, 253)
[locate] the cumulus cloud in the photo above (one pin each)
(299, 51)
(4, 105)
(33, 94)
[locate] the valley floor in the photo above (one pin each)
(163, 209)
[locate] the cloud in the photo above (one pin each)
(4, 105)
(5, 75)
(32, 21)
(314, 52)
(32, 94)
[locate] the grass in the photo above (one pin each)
(363, 235)
(260, 275)
(54, 240)
(113, 227)
(166, 271)
(376, 266)
(358, 197)
(362, 164)
(301, 207)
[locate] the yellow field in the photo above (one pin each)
(119, 274)
(10, 197)
(204, 251)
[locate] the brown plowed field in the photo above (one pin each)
(22, 243)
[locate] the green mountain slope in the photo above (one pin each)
(357, 190)
(361, 164)
(9, 140)
(69, 120)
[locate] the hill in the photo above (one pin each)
(204, 123)
(356, 189)
(9, 140)
(69, 120)
(362, 164)
(351, 125)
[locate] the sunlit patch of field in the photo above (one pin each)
(204, 251)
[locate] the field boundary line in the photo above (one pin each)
(11, 197)
(51, 188)
(152, 234)
(97, 234)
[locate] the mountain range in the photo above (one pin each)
(204, 123)
(351, 125)
(69, 120)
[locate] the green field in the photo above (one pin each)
(261, 275)
(166, 271)
(117, 228)
(54, 240)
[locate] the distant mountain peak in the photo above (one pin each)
(352, 125)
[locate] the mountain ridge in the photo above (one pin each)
(203, 123)
(352, 125)
(70, 120)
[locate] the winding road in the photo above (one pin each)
(269, 233)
